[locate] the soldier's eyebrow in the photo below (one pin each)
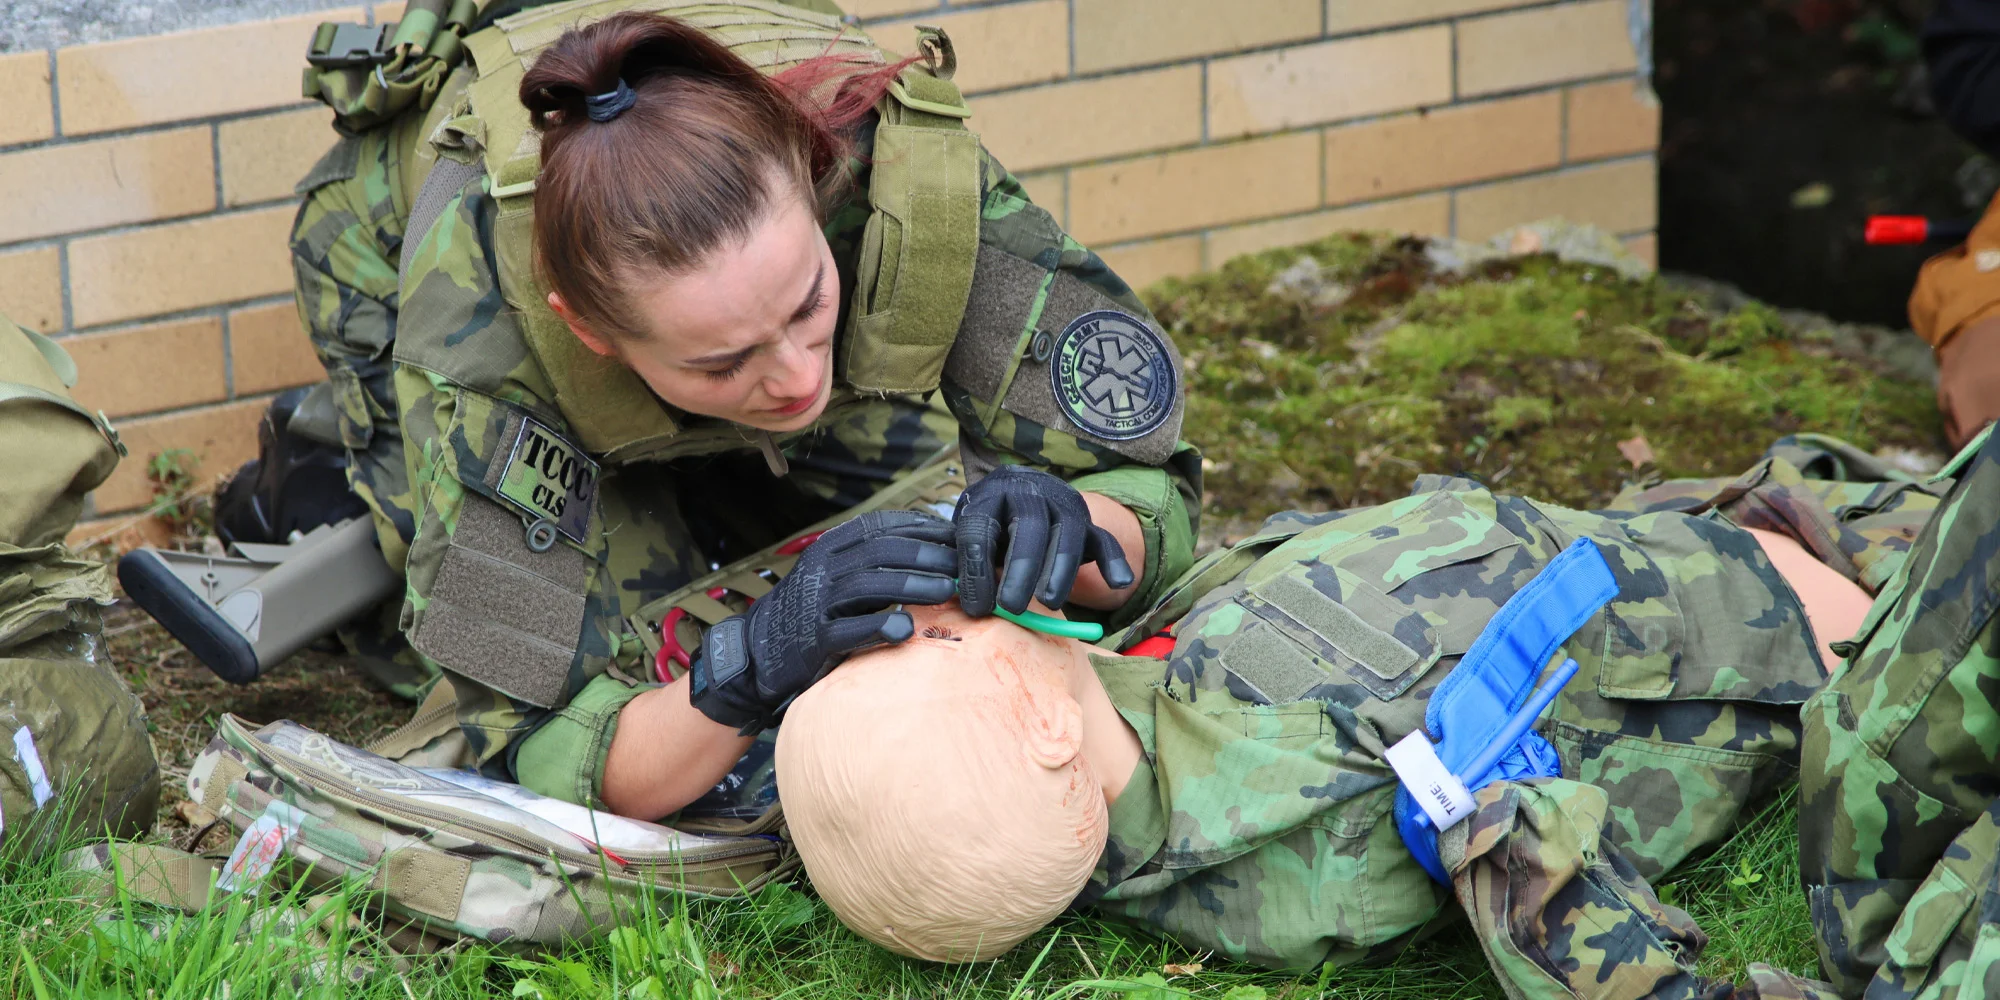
(805, 309)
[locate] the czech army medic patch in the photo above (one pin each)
(550, 479)
(1048, 347)
(1112, 375)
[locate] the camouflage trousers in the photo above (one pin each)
(1900, 771)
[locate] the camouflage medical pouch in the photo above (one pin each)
(449, 852)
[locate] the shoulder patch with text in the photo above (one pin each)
(548, 477)
(1113, 375)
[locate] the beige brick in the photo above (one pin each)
(1114, 33)
(26, 112)
(1049, 189)
(1343, 16)
(89, 185)
(31, 288)
(269, 349)
(180, 266)
(1612, 119)
(221, 437)
(1441, 148)
(1616, 197)
(263, 157)
(868, 10)
(1003, 46)
(1327, 81)
(1211, 186)
(186, 74)
(1141, 264)
(1092, 119)
(164, 366)
(1646, 247)
(1544, 45)
(1424, 215)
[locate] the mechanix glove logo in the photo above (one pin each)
(1113, 375)
(550, 478)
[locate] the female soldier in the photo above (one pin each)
(672, 244)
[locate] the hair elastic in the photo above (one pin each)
(606, 106)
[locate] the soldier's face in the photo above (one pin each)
(748, 335)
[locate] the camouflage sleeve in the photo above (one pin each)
(1561, 913)
(1166, 498)
(345, 243)
(1896, 829)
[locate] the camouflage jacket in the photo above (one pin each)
(419, 436)
(1899, 833)
(1259, 823)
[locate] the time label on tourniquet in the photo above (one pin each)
(550, 478)
(1443, 797)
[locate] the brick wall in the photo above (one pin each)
(148, 180)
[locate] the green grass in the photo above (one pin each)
(1364, 368)
(62, 941)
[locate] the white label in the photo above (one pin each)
(259, 849)
(31, 762)
(1440, 793)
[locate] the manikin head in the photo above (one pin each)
(938, 790)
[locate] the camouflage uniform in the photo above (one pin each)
(418, 436)
(1259, 823)
(1899, 834)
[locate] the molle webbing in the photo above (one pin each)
(918, 250)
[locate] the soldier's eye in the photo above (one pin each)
(734, 368)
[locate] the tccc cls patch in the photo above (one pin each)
(1113, 375)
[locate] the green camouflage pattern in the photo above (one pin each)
(73, 742)
(1261, 827)
(1899, 828)
(418, 435)
(345, 244)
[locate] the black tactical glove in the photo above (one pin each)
(1048, 535)
(834, 602)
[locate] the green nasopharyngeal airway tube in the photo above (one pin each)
(1063, 627)
(1059, 627)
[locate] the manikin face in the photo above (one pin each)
(748, 335)
(939, 791)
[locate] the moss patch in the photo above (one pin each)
(1332, 374)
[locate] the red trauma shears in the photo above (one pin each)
(670, 642)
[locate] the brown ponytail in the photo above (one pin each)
(688, 167)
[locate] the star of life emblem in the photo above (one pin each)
(1114, 376)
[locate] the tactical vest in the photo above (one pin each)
(918, 249)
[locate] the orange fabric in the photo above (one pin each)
(1952, 292)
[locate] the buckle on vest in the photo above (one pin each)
(341, 46)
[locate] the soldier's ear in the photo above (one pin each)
(591, 339)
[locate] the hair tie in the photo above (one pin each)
(606, 106)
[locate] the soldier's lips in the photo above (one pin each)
(793, 409)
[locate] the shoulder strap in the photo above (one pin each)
(914, 273)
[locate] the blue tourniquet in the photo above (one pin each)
(1477, 705)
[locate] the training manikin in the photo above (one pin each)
(953, 795)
